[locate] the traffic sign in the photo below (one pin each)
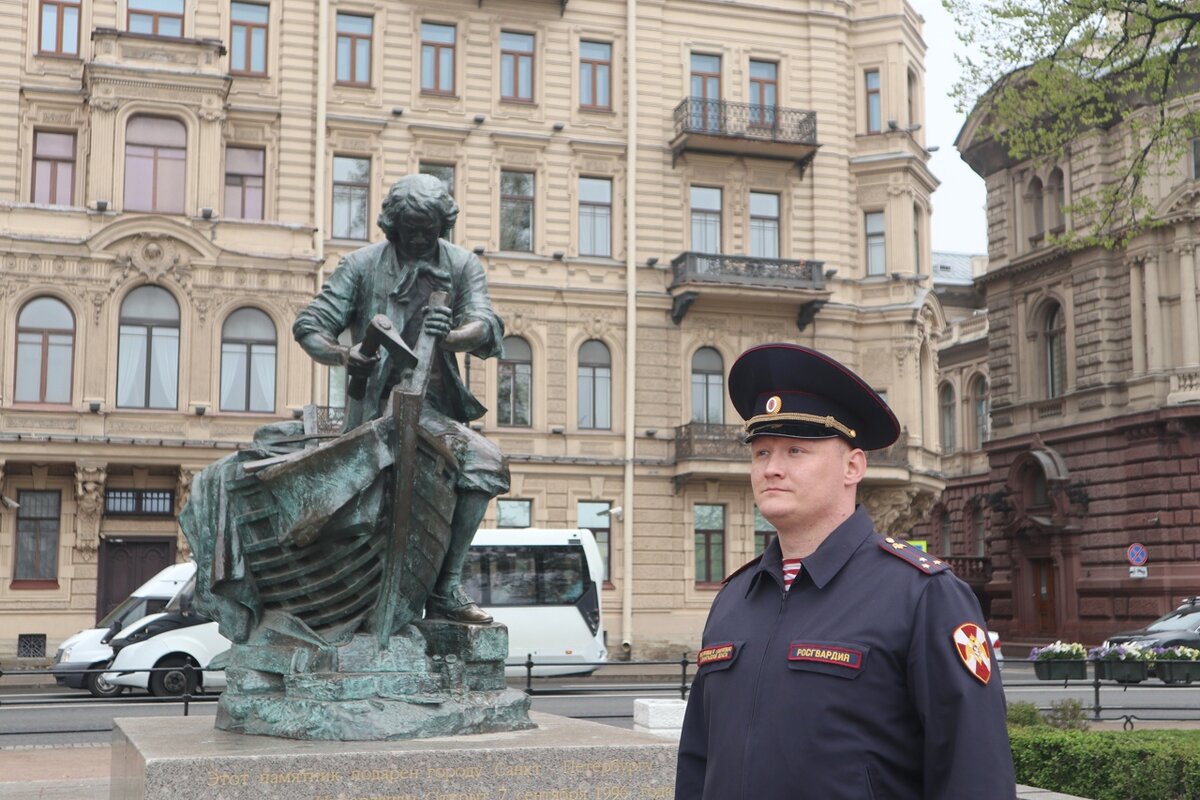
(1139, 572)
(1137, 554)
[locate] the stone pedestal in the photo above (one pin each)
(659, 717)
(173, 758)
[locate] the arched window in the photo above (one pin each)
(1037, 217)
(708, 387)
(45, 345)
(1055, 333)
(514, 401)
(916, 239)
(1058, 195)
(155, 165)
(947, 416)
(913, 104)
(148, 350)
(979, 530)
(248, 362)
(595, 386)
(982, 415)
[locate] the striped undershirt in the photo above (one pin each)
(791, 568)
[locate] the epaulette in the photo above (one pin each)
(741, 569)
(913, 555)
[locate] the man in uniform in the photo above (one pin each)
(840, 664)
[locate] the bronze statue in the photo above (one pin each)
(318, 551)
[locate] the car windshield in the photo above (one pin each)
(184, 599)
(1181, 619)
(133, 608)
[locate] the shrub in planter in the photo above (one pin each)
(1059, 661)
(1124, 663)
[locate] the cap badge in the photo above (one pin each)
(774, 404)
(972, 645)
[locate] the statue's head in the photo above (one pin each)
(416, 211)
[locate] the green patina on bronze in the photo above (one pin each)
(319, 552)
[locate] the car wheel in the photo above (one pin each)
(174, 679)
(99, 687)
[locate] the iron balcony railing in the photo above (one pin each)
(709, 440)
(697, 115)
(972, 569)
(778, 273)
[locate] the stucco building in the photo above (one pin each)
(652, 186)
(1093, 358)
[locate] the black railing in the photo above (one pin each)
(657, 686)
(777, 273)
(972, 569)
(697, 115)
(709, 440)
(330, 419)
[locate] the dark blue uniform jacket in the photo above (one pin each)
(847, 687)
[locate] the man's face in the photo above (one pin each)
(800, 482)
(417, 233)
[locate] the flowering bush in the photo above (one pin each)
(1122, 652)
(1059, 651)
(1177, 653)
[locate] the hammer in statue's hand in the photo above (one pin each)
(380, 333)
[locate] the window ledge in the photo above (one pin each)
(19, 584)
(709, 585)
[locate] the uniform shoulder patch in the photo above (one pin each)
(971, 642)
(752, 562)
(914, 556)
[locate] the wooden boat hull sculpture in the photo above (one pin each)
(316, 554)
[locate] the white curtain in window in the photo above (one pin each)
(262, 377)
(233, 377)
(131, 360)
(164, 368)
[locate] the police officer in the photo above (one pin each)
(840, 664)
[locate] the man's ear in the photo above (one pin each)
(856, 467)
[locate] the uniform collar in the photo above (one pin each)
(830, 556)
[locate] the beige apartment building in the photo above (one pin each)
(652, 186)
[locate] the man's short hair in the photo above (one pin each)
(423, 194)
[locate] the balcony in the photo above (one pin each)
(975, 570)
(727, 277)
(744, 129)
(709, 450)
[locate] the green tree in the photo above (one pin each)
(1044, 73)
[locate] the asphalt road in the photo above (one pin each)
(54, 717)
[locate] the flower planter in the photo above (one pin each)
(1127, 671)
(1102, 670)
(1177, 671)
(1060, 670)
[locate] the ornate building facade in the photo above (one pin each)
(652, 186)
(1094, 364)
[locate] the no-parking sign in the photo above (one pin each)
(1137, 554)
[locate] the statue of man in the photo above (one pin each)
(396, 278)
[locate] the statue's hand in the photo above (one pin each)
(359, 365)
(438, 321)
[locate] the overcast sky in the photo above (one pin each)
(959, 222)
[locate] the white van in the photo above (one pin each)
(89, 650)
(168, 653)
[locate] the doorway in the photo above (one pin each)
(1043, 595)
(126, 562)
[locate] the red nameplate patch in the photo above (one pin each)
(714, 654)
(825, 654)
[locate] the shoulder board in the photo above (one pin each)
(752, 562)
(915, 556)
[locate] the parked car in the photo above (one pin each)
(89, 649)
(1181, 626)
(178, 644)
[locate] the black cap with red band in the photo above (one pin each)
(783, 389)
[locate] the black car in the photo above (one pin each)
(1181, 626)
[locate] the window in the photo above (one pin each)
(595, 75)
(764, 92)
(595, 217)
(248, 362)
(53, 168)
(979, 531)
(912, 98)
(876, 250)
(1057, 192)
(37, 537)
(710, 543)
(594, 515)
(979, 401)
(595, 386)
(155, 165)
(248, 38)
(351, 191)
(148, 350)
(706, 92)
(59, 34)
(916, 239)
(244, 168)
(516, 211)
(156, 17)
(528, 575)
(1056, 351)
(708, 387)
(764, 532)
(946, 415)
(516, 66)
(45, 346)
(515, 373)
(1037, 209)
(139, 502)
(354, 49)
(443, 172)
(706, 219)
(514, 513)
(764, 225)
(874, 105)
(437, 58)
